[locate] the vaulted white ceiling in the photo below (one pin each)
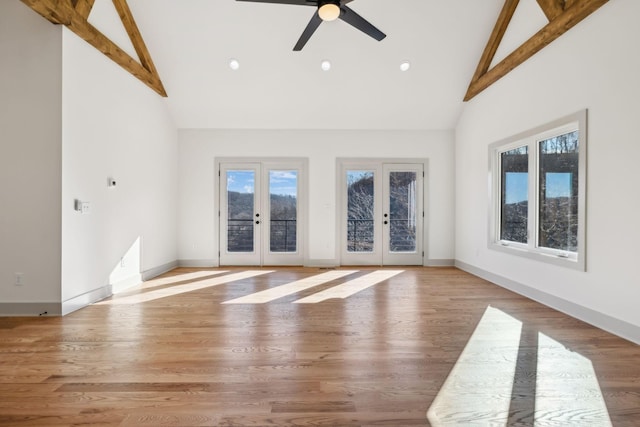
(192, 41)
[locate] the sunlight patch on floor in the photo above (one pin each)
(184, 277)
(351, 287)
(478, 388)
(567, 388)
(290, 288)
(180, 289)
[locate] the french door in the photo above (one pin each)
(261, 216)
(382, 213)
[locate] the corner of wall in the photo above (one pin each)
(30, 163)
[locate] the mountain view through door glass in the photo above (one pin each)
(240, 202)
(283, 210)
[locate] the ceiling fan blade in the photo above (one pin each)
(312, 26)
(294, 2)
(351, 17)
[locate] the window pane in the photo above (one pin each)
(514, 199)
(240, 201)
(558, 183)
(402, 211)
(360, 211)
(283, 210)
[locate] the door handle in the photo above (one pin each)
(257, 222)
(386, 222)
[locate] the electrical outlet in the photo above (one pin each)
(82, 207)
(122, 263)
(19, 279)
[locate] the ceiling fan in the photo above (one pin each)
(328, 10)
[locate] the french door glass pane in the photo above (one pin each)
(402, 211)
(360, 211)
(514, 191)
(558, 181)
(283, 210)
(240, 202)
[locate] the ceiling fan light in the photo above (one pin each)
(329, 12)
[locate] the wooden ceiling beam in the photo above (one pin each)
(55, 11)
(83, 7)
(63, 12)
(572, 15)
(134, 35)
(551, 8)
(496, 37)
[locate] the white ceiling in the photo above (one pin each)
(191, 42)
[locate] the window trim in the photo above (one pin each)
(531, 138)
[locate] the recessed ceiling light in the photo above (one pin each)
(325, 65)
(234, 64)
(405, 65)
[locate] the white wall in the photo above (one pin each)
(113, 126)
(30, 159)
(596, 66)
(199, 148)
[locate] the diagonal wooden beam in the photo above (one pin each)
(83, 7)
(578, 11)
(134, 34)
(55, 11)
(551, 8)
(496, 37)
(64, 12)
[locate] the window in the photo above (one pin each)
(538, 193)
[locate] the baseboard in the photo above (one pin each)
(81, 301)
(322, 263)
(29, 309)
(88, 298)
(439, 263)
(603, 321)
(327, 263)
(127, 283)
(197, 263)
(157, 271)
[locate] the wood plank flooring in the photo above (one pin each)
(423, 347)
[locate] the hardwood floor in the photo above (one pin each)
(437, 341)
